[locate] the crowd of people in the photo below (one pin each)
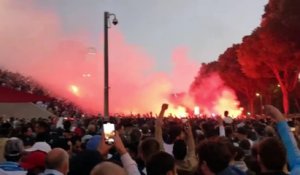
(57, 106)
(151, 145)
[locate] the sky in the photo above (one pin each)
(155, 50)
(205, 27)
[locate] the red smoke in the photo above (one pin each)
(33, 43)
(212, 96)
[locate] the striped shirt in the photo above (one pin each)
(11, 168)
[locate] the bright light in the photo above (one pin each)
(257, 94)
(196, 110)
(213, 114)
(86, 75)
(278, 85)
(179, 111)
(74, 89)
(248, 113)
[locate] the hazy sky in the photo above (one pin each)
(205, 27)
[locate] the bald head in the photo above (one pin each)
(58, 159)
(108, 168)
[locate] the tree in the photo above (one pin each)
(231, 72)
(267, 53)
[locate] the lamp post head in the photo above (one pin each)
(115, 21)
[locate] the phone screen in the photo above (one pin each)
(109, 132)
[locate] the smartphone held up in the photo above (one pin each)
(109, 133)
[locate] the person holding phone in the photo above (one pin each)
(112, 139)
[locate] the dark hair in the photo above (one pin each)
(272, 154)
(239, 154)
(74, 139)
(43, 124)
(84, 162)
(242, 130)
(209, 129)
(148, 147)
(160, 163)
(135, 135)
(179, 149)
(61, 143)
(226, 113)
(245, 144)
(175, 131)
(216, 153)
(67, 125)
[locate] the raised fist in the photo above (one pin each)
(164, 106)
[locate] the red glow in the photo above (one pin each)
(64, 66)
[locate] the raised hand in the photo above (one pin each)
(119, 144)
(164, 107)
(103, 148)
(274, 113)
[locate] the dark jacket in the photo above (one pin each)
(231, 170)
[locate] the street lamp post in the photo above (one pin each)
(261, 102)
(107, 15)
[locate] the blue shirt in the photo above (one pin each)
(290, 144)
(12, 168)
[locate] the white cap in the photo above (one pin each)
(39, 146)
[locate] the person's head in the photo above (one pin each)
(34, 162)
(214, 155)
(76, 144)
(27, 131)
(176, 133)
(58, 159)
(161, 163)
(93, 143)
(226, 113)
(135, 135)
(83, 162)
(108, 168)
(92, 129)
(241, 133)
(13, 149)
(148, 147)
(271, 155)
(209, 129)
(239, 154)
(179, 149)
(245, 145)
(41, 127)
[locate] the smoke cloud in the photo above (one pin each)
(32, 42)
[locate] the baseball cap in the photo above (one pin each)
(13, 147)
(39, 146)
(93, 143)
(35, 159)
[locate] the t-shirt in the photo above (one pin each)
(11, 168)
(168, 148)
